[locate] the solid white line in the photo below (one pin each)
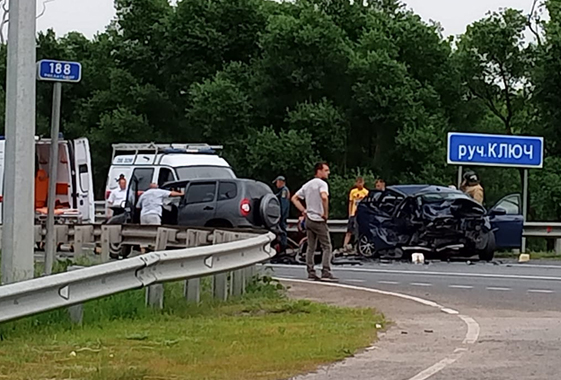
(420, 284)
(460, 286)
(450, 311)
(471, 337)
(492, 288)
(540, 291)
(388, 282)
(429, 273)
(357, 281)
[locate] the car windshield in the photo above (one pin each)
(203, 172)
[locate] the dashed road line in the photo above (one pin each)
(492, 288)
(460, 286)
(357, 281)
(388, 282)
(543, 291)
(471, 337)
(420, 284)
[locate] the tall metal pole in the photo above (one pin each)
(19, 187)
(50, 249)
(525, 205)
(460, 174)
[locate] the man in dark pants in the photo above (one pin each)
(283, 195)
(316, 194)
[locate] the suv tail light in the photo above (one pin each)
(245, 207)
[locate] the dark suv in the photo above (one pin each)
(230, 203)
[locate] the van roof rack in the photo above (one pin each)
(153, 148)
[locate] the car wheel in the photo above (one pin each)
(488, 253)
(117, 251)
(366, 247)
(270, 211)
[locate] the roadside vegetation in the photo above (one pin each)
(262, 335)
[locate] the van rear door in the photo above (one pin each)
(84, 179)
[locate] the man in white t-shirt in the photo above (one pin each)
(316, 195)
(150, 204)
(118, 195)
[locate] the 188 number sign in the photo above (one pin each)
(59, 71)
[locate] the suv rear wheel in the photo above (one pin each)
(269, 210)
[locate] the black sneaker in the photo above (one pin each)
(328, 277)
(312, 276)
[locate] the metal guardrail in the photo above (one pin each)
(71, 288)
(531, 229)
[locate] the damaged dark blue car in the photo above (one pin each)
(436, 220)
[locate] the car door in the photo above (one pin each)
(506, 217)
(199, 204)
(84, 179)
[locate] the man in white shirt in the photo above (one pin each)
(118, 195)
(316, 195)
(151, 202)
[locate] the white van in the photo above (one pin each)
(74, 184)
(162, 163)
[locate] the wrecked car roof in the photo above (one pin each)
(410, 190)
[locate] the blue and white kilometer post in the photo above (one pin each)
(58, 72)
(497, 150)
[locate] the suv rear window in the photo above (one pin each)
(227, 190)
(203, 172)
(201, 193)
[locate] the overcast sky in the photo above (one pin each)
(91, 16)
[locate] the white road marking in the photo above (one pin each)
(492, 288)
(471, 337)
(357, 281)
(449, 311)
(388, 282)
(429, 273)
(544, 291)
(460, 286)
(420, 284)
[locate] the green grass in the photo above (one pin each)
(262, 335)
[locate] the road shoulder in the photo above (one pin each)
(418, 337)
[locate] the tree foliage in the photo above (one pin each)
(367, 86)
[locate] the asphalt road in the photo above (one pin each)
(518, 307)
(524, 287)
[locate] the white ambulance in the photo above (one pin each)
(74, 200)
(162, 163)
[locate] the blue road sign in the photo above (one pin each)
(59, 71)
(495, 150)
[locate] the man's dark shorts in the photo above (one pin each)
(352, 225)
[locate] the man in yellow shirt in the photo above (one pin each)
(357, 193)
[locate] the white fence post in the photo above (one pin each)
(76, 311)
(220, 283)
(155, 293)
(109, 234)
(192, 288)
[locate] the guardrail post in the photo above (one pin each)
(155, 293)
(558, 246)
(192, 289)
(220, 283)
(82, 234)
(76, 311)
(109, 234)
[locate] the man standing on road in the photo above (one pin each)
(472, 187)
(283, 195)
(316, 195)
(151, 202)
(358, 193)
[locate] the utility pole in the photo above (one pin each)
(19, 158)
